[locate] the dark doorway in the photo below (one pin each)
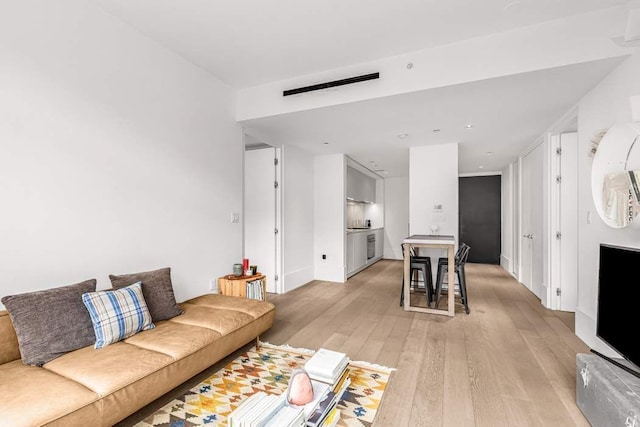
(480, 216)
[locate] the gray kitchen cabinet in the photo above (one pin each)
(360, 187)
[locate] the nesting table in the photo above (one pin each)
(429, 241)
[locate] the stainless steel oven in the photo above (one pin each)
(371, 246)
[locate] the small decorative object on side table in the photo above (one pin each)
(244, 286)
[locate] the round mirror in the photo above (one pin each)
(615, 176)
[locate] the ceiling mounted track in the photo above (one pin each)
(334, 83)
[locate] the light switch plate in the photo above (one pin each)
(235, 217)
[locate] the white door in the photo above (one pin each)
(260, 212)
(569, 222)
(532, 216)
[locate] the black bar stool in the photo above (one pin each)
(418, 264)
(443, 268)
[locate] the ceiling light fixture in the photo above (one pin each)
(403, 135)
(325, 143)
(468, 126)
(435, 130)
(480, 167)
(489, 153)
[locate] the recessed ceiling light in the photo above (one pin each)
(325, 143)
(468, 125)
(403, 135)
(480, 167)
(436, 130)
(489, 153)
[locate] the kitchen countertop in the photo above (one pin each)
(362, 230)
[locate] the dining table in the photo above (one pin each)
(445, 242)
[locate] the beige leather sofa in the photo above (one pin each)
(89, 387)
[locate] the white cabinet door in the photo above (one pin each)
(351, 265)
(360, 187)
(351, 184)
(379, 243)
(369, 189)
(360, 250)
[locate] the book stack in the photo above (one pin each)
(266, 410)
(331, 369)
(255, 289)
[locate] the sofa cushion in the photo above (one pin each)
(118, 314)
(34, 396)
(219, 320)
(157, 290)
(174, 339)
(52, 322)
(110, 368)
(249, 306)
(9, 349)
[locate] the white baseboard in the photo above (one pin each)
(505, 262)
(392, 253)
(330, 272)
(297, 278)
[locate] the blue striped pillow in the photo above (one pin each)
(117, 314)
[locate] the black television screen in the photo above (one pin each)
(618, 291)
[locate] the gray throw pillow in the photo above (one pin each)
(157, 290)
(52, 322)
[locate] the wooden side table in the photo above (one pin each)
(237, 286)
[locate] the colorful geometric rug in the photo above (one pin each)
(268, 369)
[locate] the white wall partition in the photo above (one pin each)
(298, 217)
(433, 181)
(329, 217)
(607, 104)
(396, 215)
(117, 155)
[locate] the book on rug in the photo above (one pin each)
(326, 365)
(257, 410)
(333, 418)
(325, 407)
(288, 416)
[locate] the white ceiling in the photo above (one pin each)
(249, 42)
(507, 115)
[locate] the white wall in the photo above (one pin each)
(329, 217)
(507, 232)
(116, 155)
(298, 216)
(396, 215)
(604, 106)
(433, 180)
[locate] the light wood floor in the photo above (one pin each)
(510, 362)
